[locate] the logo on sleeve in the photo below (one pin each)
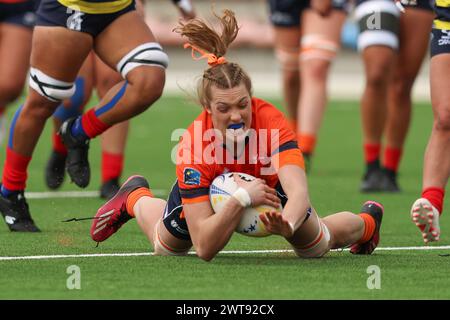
(191, 176)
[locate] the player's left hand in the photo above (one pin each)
(275, 223)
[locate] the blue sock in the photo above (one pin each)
(76, 103)
(5, 192)
(77, 130)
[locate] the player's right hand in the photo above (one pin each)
(260, 193)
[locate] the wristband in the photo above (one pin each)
(242, 196)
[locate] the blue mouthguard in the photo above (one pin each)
(236, 126)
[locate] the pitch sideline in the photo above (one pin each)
(138, 254)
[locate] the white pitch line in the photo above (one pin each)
(137, 254)
(78, 194)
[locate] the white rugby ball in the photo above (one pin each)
(222, 188)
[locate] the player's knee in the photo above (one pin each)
(318, 247)
(147, 86)
(39, 107)
(376, 77)
(401, 88)
(316, 70)
(442, 117)
(151, 85)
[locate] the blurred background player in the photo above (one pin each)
(66, 31)
(426, 210)
(393, 46)
(307, 38)
(96, 74)
(17, 19)
(187, 219)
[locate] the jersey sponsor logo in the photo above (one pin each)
(191, 177)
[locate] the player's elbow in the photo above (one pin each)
(205, 253)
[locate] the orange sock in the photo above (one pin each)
(369, 227)
(307, 142)
(135, 196)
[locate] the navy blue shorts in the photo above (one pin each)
(440, 42)
(418, 4)
(21, 14)
(52, 13)
(287, 13)
(177, 225)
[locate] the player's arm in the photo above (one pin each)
(293, 180)
(287, 162)
(211, 232)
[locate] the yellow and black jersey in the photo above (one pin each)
(96, 6)
(442, 9)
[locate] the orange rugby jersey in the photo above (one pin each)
(201, 157)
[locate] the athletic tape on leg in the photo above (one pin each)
(50, 88)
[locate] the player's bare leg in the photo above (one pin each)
(118, 46)
(148, 212)
(378, 61)
(53, 78)
(145, 83)
(287, 51)
(311, 236)
(135, 200)
(48, 43)
(361, 231)
(415, 22)
(320, 42)
(425, 211)
(113, 140)
(15, 48)
(72, 107)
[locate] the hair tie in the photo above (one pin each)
(213, 60)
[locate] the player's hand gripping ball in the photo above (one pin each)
(222, 189)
